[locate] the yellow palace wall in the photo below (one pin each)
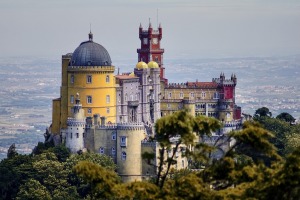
(102, 84)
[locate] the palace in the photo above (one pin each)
(114, 114)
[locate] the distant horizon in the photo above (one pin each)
(191, 28)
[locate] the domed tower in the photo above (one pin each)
(76, 128)
(149, 76)
(87, 71)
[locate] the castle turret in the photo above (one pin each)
(76, 128)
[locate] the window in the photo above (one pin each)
(126, 97)
(113, 151)
(168, 105)
(107, 99)
(101, 150)
(182, 163)
(89, 99)
(113, 136)
(71, 135)
(107, 79)
(123, 156)
(89, 79)
(192, 94)
(123, 141)
(72, 99)
(89, 111)
(77, 135)
(216, 95)
(170, 95)
(203, 94)
(72, 78)
(181, 94)
(107, 110)
(83, 135)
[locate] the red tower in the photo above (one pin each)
(150, 48)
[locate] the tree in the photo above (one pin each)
(14, 172)
(101, 180)
(263, 112)
(34, 190)
(174, 130)
(286, 117)
(283, 132)
(136, 190)
(190, 186)
(12, 151)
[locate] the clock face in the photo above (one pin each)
(154, 40)
(145, 40)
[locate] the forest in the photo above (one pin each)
(263, 163)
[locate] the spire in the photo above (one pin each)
(150, 25)
(159, 25)
(141, 25)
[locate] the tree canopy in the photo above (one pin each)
(252, 168)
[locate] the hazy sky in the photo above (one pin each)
(191, 28)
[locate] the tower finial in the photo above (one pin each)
(150, 26)
(90, 34)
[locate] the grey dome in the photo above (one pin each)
(90, 53)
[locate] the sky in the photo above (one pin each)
(191, 28)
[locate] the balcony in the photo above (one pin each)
(133, 103)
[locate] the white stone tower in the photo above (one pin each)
(76, 128)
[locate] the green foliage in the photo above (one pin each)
(285, 133)
(49, 173)
(262, 112)
(253, 141)
(100, 179)
(136, 190)
(292, 142)
(286, 117)
(34, 190)
(187, 187)
(176, 129)
(102, 160)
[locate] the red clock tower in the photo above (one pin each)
(150, 48)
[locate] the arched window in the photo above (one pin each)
(77, 135)
(89, 99)
(107, 79)
(72, 78)
(89, 79)
(113, 151)
(123, 155)
(72, 99)
(113, 136)
(107, 99)
(101, 150)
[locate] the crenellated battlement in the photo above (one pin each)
(232, 123)
(122, 126)
(92, 69)
(76, 122)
